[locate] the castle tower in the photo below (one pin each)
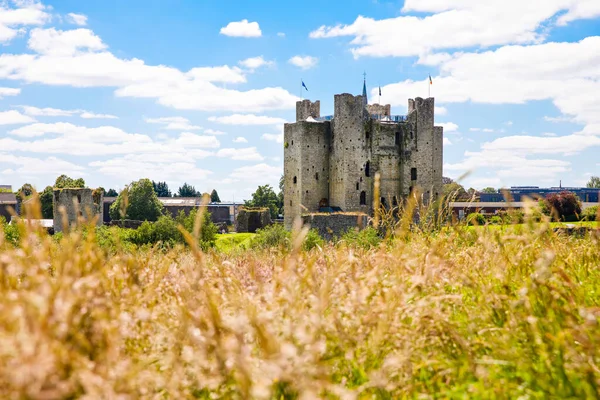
(349, 165)
(306, 162)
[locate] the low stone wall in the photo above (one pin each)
(336, 224)
(251, 219)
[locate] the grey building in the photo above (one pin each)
(330, 162)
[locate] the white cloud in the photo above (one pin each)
(187, 139)
(448, 126)
(78, 60)
(242, 28)
(550, 134)
(439, 110)
(174, 123)
(77, 19)
(4, 91)
(281, 34)
(487, 130)
(89, 115)
(214, 132)
(47, 111)
(14, 117)
(33, 167)
(246, 154)
(64, 43)
(508, 123)
(562, 118)
(455, 24)
(247, 119)
(253, 63)
(25, 13)
(258, 173)
(304, 62)
(240, 139)
(475, 129)
(447, 142)
(273, 137)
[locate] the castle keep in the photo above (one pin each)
(330, 162)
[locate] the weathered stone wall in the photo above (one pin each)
(334, 225)
(77, 203)
(379, 109)
(349, 153)
(438, 160)
(306, 168)
(217, 213)
(306, 108)
(249, 220)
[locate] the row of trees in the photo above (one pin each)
(186, 190)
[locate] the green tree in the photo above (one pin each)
(187, 191)
(280, 199)
(265, 196)
(25, 191)
(594, 182)
(65, 181)
(47, 202)
(214, 196)
(161, 189)
(446, 180)
(111, 193)
(489, 189)
(455, 191)
(140, 202)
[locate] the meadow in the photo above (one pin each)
(422, 313)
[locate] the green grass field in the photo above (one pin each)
(229, 241)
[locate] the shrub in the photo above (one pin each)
(590, 214)
(12, 234)
(496, 220)
(564, 206)
(273, 235)
(139, 201)
(476, 219)
(312, 240)
(364, 239)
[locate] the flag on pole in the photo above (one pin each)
(430, 81)
(380, 90)
(304, 86)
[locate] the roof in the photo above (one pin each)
(502, 204)
(8, 198)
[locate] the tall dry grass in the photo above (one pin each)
(448, 313)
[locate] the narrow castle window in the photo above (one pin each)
(413, 174)
(368, 134)
(356, 185)
(79, 198)
(292, 142)
(394, 201)
(383, 202)
(295, 180)
(290, 203)
(363, 198)
(397, 138)
(368, 168)
(317, 176)
(412, 135)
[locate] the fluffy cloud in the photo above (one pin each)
(187, 139)
(448, 126)
(246, 154)
(455, 24)
(242, 28)
(174, 123)
(14, 117)
(247, 119)
(77, 19)
(304, 62)
(64, 43)
(257, 173)
(253, 63)
(22, 13)
(34, 167)
(273, 137)
(90, 115)
(79, 58)
(4, 91)
(240, 139)
(214, 132)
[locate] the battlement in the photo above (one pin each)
(307, 108)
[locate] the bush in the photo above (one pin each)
(476, 219)
(139, 201)
(273, 235)
(312, 240)
(590, 214)
(496, 220)
(564, 205)
(364, 239)
(11, 232)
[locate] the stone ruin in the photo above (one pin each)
(251, 219)
(335, 225)
(73, 204)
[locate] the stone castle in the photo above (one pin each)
(330, 162)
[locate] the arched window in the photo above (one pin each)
(363, 198)
(295, 180)
(368, 168)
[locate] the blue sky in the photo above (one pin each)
(198, 91)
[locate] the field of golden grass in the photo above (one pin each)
(452, 313)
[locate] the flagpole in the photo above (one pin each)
(301, 92)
